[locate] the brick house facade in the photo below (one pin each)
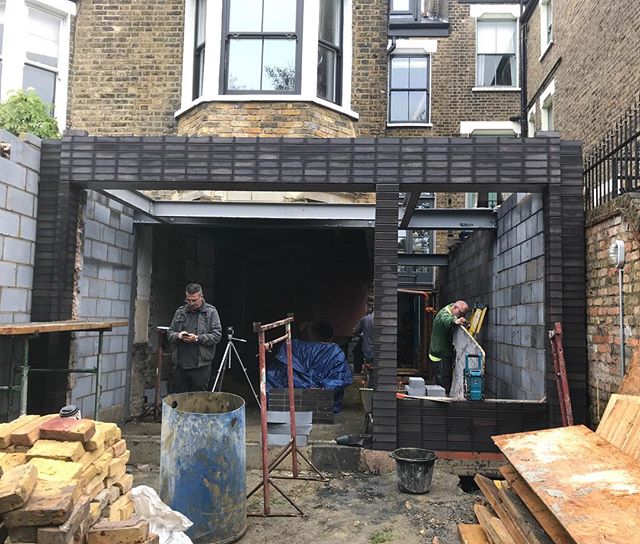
(583, 75)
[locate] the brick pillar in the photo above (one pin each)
(386, 317)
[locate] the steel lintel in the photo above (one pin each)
(311, 215)
(459, 219)
(423, 259)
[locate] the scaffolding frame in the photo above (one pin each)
(32, 330)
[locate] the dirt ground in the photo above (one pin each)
(355, 509)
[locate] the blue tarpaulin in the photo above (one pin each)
(315, 365)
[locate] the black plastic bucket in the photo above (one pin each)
(414, 467)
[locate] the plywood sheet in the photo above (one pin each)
(58, 326)
(620, 424)
(591, 487)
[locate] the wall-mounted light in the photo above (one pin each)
(616, 257)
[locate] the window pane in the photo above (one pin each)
(327, 67)
(330, 17)
(496, 70)
(486, 37)
(418, 73)
(279, 16)
(400, 5)
(245, 15)
(42, 81)
(201, 13)
(418, 107)
(42, 37)
(244, 64)
(506, 37)
(400, 73)
(399, 106)
(279, 65)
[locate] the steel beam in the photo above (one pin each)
(133, 199)
(458, 219)
(423, 259)
(408, 207)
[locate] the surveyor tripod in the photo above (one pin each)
(227, 358)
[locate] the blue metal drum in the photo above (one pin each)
(203, 463)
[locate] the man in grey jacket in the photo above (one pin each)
(195, 330)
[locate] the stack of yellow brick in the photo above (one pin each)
(64, 481)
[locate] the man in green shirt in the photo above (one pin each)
(441, 348)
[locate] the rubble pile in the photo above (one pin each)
(64, 481)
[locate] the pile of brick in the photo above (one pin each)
(64, 481)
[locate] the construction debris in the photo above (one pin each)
(69, 485)
(568, 485)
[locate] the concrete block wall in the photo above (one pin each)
(506, 271)
(18, 210)
(104, 294)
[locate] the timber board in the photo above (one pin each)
(591, 487)
(58, 326)
(620, 424)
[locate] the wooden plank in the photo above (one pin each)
(490, 491)
(545, 518)
(492, 526)
(575, 473)
(631, 382)
(471, 534)
(531, 529)
(59, 326)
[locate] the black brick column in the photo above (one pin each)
(386, 317)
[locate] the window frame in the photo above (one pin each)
(547, 106)
(390, 89)
(339, 61)
(199, 51)
(546, 26)
(224, 61)
(516, 79)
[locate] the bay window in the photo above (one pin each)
(262, 46)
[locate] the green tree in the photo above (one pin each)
(24, 111)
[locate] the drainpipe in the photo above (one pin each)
(393, 45)
(524, 124)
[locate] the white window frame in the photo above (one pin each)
(212, 92)
(546, 104)
(546, 16)
(497, 12)
(16, 13)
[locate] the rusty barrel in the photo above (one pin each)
(203, 463)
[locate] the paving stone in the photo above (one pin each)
(54, 449)
(50, 469)
(7, 428)
(29, 434)
(68, 429)
(50, 503)
(65, 533)
(16, 486)
(131, 531)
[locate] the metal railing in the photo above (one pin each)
(613, 167)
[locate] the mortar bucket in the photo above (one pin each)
(202, 463)
(414, 467)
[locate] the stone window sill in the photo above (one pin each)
(267, 98)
